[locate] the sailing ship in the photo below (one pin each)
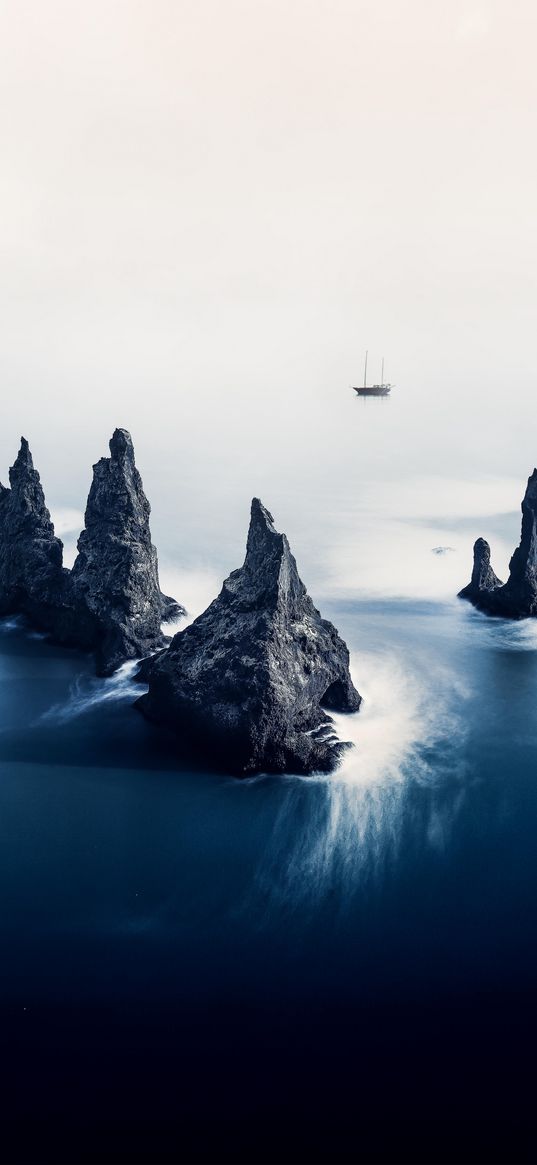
(381, 389)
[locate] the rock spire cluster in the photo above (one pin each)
(110, 602)
(517, 598)
(251, 683)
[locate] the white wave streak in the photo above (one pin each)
(404, 779)
(508, 635)
(86, 693)
(9, 624)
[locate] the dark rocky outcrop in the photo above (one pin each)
(252, 680)
(32, 578)
(483, 577)
(517, 598)
(110, 602)
(115, 575)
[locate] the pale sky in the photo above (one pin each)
(210, 208)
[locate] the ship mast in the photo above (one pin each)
(382, 373)
(365, 371)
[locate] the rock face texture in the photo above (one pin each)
(115, 575)
(517, 598)
(32, 578)
(111, 602)
(251, 681)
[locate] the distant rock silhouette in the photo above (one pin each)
(111, 602)
(517, 598)
(252, 680)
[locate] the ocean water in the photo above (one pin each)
(201, 969)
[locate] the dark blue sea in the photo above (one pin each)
(199, 969)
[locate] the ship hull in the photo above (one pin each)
(374, 390)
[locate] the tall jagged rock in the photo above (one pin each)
(251, 681)
(32, 578)
(115, 575)
(517, 598)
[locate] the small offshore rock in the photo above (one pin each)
(483, 577)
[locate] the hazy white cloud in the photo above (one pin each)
(474, 22)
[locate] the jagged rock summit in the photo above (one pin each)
(111, 602)
(31, 572)
(517, 598)
(115, 575)
(252, 680)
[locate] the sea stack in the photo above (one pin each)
(483, 577)
(32, 577)
(115, 575)
(517, 598)
(252, 680)
(111, 602)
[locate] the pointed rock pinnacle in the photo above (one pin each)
(249, 682)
